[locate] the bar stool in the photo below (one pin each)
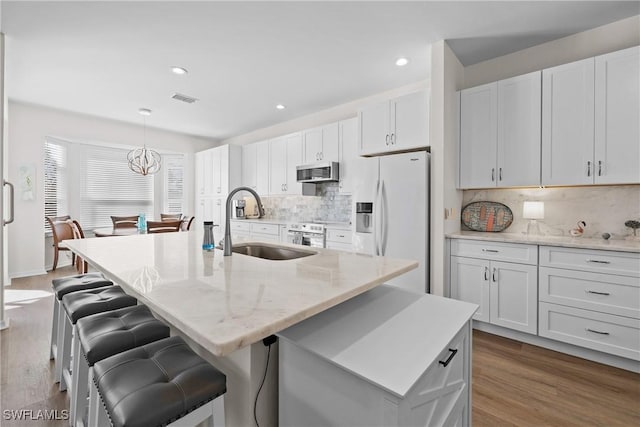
(62, 287)
(81, 304)
(103, 335)
(162, 383)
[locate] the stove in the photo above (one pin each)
(307, 234)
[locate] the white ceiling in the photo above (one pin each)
(109, 58)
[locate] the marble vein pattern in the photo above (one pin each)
(226, 303)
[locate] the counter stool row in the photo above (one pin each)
(124, 358)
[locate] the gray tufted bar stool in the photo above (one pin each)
(159, 384)
(61, 287)
(80, 304)
(103, 335)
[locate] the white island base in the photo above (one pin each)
(385, 358)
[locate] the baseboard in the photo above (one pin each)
(28, 273)
(573, 350)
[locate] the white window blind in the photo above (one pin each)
(108, 187)
(173, 184)
(56, 202)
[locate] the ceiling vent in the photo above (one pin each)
(183, 98)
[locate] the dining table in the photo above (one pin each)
(111, 231)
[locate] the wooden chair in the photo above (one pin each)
(185, 225)
(163, 226)
(165, 217)
(124, 221)
(60, 231)
(81, 265)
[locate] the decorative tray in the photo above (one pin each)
(487, 216)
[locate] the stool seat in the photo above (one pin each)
(105, 334)
(82, 304)
(156, 384)
(65, 285)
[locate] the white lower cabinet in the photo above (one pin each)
(506, 292)
(339, 239)
(266, 232)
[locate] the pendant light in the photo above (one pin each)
(144, 160)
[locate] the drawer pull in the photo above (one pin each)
(598, 261)
(493, 251)
(598, 293)
(596, 332)
(493, 275)
(486, 273)
(450, 358)
(340, 235)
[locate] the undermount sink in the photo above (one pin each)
(274, 253)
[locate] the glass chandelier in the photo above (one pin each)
(144, 160)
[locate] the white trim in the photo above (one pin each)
(28, 273)
(60, 140)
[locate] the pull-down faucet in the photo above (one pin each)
(227, 224)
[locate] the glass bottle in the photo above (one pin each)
(207, 241)
(142, 224)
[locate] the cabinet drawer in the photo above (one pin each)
(624, 263)
(510, 252)
(266, 229)
(240, 226)
(347, 247)
(619, 295)
(340, 236)
(598, 331)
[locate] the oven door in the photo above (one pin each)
(294, 237)
(315, 240)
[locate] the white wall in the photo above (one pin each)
(28, 126)
(446, 77)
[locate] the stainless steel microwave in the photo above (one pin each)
(318, 172)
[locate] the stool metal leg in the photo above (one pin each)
(78, 401)
(54, 328)
(60, 343)
(65, 355)
(218, 411)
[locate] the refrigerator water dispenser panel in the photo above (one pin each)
(364, 220)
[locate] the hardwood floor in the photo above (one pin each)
(514, 384)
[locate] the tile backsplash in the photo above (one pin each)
(603, 208)
(327, 205)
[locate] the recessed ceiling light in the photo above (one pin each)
(144, 111)
(401, 62)
(280, 107)
(179, 70)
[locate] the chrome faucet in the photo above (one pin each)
(227, 225)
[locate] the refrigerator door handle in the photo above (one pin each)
(376, 219)
(384, 224)
(12, 206)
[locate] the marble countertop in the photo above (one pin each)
(226, 303)
(570, 242)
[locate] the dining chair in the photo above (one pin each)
(185, 225)
(163, 226)
(60, 231)
(125, 221)
(168, 217)
(82, 266)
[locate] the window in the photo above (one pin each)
(91, 183)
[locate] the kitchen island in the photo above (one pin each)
(225, 306)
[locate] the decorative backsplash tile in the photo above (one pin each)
(327, 205)
(603, 208)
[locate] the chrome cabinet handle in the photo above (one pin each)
(393, 139)
(321, 155)
(486, 273)
(494, 251)
(596, 332)
(589, 168)
(493, 174)
(597, 261)
(286, 187)
(599, 167)
(597, 293)
(493, 275)
(500, 174)
(12, 206)
(340, 235)
(386, 140)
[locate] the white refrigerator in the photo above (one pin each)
(397, 188)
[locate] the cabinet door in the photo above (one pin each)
(478, 136)
(216, 172)
(348, 157)
(374, 129)
(278, 165)
(519, 101)
(617, 117)
(567, 124)
(219, 217)
(207, 174)
(330, 143)
(204, 210)
(410, 121)
(312, 140)
(262, 167)
(514, 296)
(249, 166)
(200, 168)
(470, 282)
(294, 158)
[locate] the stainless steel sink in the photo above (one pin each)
(274, 253)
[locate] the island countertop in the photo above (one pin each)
(226, 303)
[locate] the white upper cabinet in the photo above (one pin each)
(249, 166)
(617, 117)
(285, 153)
(321, 144)
(262, 167)
(567, 124)
(519, 100)
(348, 155)
(478, 136)
(397, 125)
(500, 133)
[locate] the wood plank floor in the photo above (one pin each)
(514, 384)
